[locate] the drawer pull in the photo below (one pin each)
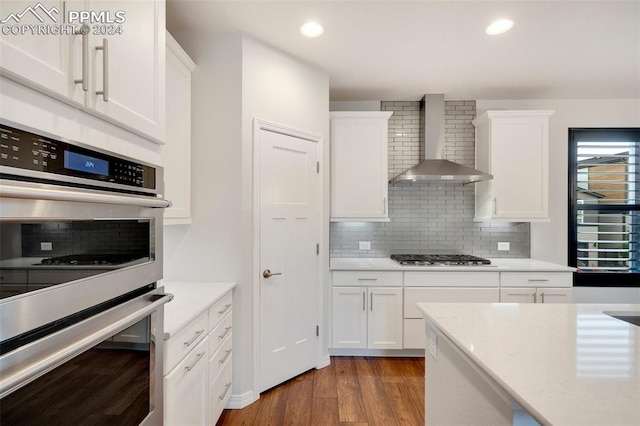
(542, 296)
(226, 357)
(367, 279)
(226, 308)
(226, 331)
(195, 336)
(227, 388)
(538, 280)
(193, 364)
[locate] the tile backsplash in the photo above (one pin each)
(430, 217)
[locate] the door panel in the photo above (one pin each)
(290, 228)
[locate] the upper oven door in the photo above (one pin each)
(64, 250)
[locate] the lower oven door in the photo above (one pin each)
(104, 370)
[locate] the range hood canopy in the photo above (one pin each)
(434, 167)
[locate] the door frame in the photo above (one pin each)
(259, 125)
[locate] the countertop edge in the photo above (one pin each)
(222, 288)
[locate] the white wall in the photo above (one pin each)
(549, 240)
(236, 79)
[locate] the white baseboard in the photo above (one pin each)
(325, 361)
(378, 352)
(241, 401)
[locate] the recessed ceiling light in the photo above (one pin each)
(311, 29)
(500, 26)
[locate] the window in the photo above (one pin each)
(604, 206)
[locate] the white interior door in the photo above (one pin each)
(290, 229)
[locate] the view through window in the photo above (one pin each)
(604, 211)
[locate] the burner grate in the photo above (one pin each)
(439, 259)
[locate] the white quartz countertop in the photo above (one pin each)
(566, 364)
(500, 265)
(190, 300)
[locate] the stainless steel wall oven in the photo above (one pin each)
(81, 313)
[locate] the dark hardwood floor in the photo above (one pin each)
(356, 391)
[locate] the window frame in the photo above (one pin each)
(595, 279)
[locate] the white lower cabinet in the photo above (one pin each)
(197, 367)
(414, 334)
(185, 389)
(367, 317)
(539, 287)
(535, 295)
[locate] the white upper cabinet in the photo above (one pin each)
(128, 70)
(176, 153)
(45, 62)
(359, 173)
(514, 147)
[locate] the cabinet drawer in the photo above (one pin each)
(536, 279)
(13, 276)
(452, 279)
(219, 393)
(220, 358)
(185, 389)
(414, 334)
(183, 341)
(220, 309)
(369, 279)
(415, 295)
(221, 332)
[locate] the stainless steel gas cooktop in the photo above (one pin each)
(439, 260)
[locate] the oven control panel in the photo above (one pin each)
(29, 151)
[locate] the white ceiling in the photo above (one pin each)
(399, 50)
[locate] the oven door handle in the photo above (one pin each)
(60, 194)
(36, 369)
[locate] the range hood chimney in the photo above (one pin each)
(434, 167)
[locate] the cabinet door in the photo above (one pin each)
(186, 389)
(349, 319)
(44, 62)
(513, 146)
(176, 153)
(135, 74)
(518, 295)
(554, 295)
(384, 330)
(359, 175)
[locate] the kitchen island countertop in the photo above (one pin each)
(497, 265)
(565, 364)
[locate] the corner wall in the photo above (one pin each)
(237, 79)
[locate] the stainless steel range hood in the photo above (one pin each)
(434, 167)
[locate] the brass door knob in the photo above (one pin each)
(267, 273)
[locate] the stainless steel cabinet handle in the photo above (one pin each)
(193, 364)
(105, 70)
(542, 296)
(536, 280)
(371, 302)
(384, 205)
(226, 331)
(227, 387)
(364, 301)
(195, 336)
(226, 357)
(367, 279)
(226, 308)
(494, 203)
(535, 297)
(267, 273)
(84, 31)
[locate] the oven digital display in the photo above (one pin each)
(84, 163)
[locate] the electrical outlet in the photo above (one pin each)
(364, 245)
(46, 246)
(504, 246)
